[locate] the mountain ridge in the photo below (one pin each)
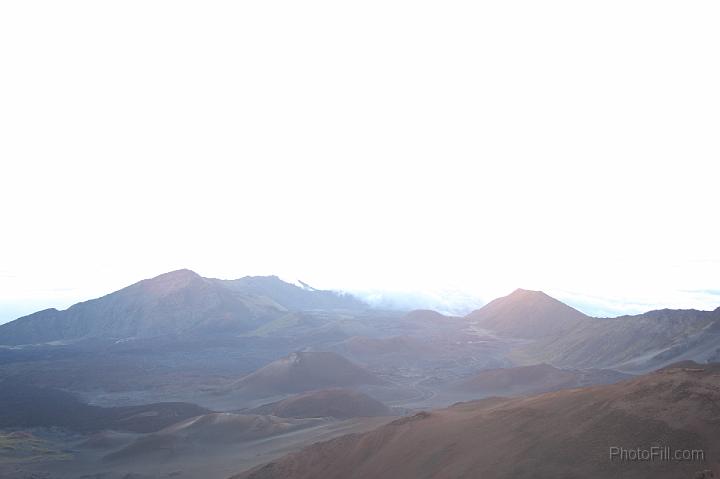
(633, 342)
(176, 302)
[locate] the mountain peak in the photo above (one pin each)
(526, 291)
(527, 314)
(531, 295)
(520, 292)
(183, 273)
(169, 282)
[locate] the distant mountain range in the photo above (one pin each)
(634, 343)
(175, 303)
(541, 328)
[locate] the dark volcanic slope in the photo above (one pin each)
(561, 434)
(170, 304)
(338, 403)
(304, 371)
(527, 314)
(534, 379)
(26, 406)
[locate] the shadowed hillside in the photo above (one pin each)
(24, 406)
(304, 371)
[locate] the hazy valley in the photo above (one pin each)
(185, 376)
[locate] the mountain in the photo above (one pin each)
(566, 338)
(633, 343)
(180, 302)
(527, 314)
(304, 371)
(337, 403)
(533, 379)
(569, 433)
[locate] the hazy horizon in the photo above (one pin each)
(447, 301)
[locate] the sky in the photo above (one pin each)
(454, 150)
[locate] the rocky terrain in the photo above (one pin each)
(560, 434)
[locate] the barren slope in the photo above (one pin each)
(561, 434)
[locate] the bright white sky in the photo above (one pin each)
(434, 146)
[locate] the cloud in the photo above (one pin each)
(450, 302)
(448, 147)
